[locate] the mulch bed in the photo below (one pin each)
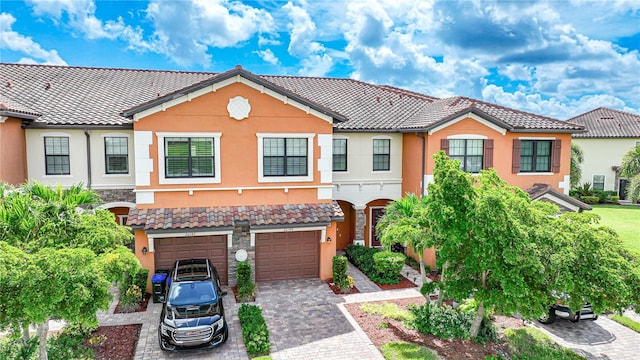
(142, 307)
(394, 330)
(404, 283)
(119, 342)
(336, 290)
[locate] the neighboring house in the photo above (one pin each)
(279, 170)
(610, 134)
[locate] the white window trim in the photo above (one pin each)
(593, 181)
(104, 155)
(310, 158)
(44, 155)
(200, 180)
(467, 137)
(383, 137)
(536, 138)
(340, 137)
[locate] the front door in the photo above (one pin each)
(376, 213)
(622, 188)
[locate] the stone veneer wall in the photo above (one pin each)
(241, 239)
(116, 195)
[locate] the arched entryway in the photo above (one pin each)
(345, 231)
(373, 211)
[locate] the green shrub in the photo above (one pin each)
(413, 263)
(589, 199)
(130, 300)
(531, 343)
(615, 199)
(340, 277)
(246, 287)
(140, 280)
(602, 196)
(388, 266)
(448, 323)
(11, 348)
(362, 258)
(254, 330)
(584, 190)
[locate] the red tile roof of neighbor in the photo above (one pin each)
(608, 123)
(229, 216)
(69, 96)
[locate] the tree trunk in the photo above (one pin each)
(25, 334)
(440, 289)
(43, 329)
(423, 276)
(475, 326)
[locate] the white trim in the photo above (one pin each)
(200, 180)
(57, 176)
(241, 188)
(114, 204)
(220, 84)
(473, 116)
(310, 157)
(380, 137)
(188, 234)
(143, 164)
(467, 137)
(3, 119)
(325, 161)
(557, 200)
(253, 232)
(145, 197)
(116, 134)
(535, 173)
(371, 229)
(55, 134)
(536, 138)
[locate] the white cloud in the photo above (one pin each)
(302, 32)
(10, 39)
(268, 56)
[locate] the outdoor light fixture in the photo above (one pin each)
(328, 238)
(144, 250)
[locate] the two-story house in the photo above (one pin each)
(610, 135)
(278, 170)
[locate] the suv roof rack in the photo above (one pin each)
(191, 269)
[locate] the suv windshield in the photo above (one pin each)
(192, 293)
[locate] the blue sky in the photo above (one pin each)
(555, 58)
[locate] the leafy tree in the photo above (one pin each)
(575, 170)
(514, 255)
(402, 222)
(59, 261)
(630, 168)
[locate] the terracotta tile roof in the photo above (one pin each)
(608, 123)
(538, 190)
(97, 97)
(67, 95)
(441, 111)
(228, 216)
(11, 107)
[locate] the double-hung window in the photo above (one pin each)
(285, 157)
(56, 152)
(535, 156)
(339, 154)
(470, 153)
(116, 153)
(189, 157)
(381, 154)
(598, 182)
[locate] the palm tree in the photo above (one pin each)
(630, 168)
(402, 223)
(575, 172)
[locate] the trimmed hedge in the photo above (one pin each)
(388, 266)
(340, 277)
(254, 330)
(246, 287)
(590, 199)
(362, 258)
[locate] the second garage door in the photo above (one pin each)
(287, 255)
(214, 247)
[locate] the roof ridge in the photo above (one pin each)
(476, 101)
(108, 68)
(604, 108)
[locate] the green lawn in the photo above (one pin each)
(625, 220)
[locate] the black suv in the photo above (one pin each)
(192, 311)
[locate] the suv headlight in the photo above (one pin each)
(166, 330)
(218, 324)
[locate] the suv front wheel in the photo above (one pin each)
(549, 317)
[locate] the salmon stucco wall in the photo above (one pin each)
(412, 163)
(502, 154)
(147, 260)
(238, 157)
(13, 163)
(327, 252)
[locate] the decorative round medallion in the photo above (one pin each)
(241, 255)
(238, 107)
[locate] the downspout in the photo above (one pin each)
(424, 142)
(86, 133)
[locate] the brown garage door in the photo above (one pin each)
(214, 247)
(287, 255)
